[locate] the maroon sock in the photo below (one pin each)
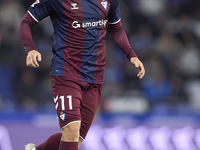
(52, 143)
(68, 145)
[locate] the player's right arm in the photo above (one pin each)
(24, 32)
(38, 11)
(32, 59)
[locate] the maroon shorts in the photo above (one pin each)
(75, 101)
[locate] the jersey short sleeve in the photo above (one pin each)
(114, 13)
(40, 9)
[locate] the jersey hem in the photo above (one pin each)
(83, 80)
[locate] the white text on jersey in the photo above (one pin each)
(74, 6)
(76, 24)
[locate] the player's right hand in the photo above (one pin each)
(32, 59)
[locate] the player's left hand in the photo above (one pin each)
(139, 66)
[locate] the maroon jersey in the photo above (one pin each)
(79, 35)
(79, 39)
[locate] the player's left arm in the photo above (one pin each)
(119, 36)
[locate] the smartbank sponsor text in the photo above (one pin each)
(76, 24)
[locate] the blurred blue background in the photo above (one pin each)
(161, 111)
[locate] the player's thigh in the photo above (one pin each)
(67, 99)
(89, 106)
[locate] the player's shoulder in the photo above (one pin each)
(40, 2)
(52, 1)
(114, 2)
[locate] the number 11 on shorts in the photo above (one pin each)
(62, 98)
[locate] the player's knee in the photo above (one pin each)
(70, 133)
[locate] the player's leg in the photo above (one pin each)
(52, 143)
(67, 98)
(94, 94)
(91, 98)
(80, 142)
(70, 133)
(70, 136)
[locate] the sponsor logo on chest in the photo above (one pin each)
(76, 24)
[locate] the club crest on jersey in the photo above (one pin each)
(62, 116)
(36, 2)
(104, 4)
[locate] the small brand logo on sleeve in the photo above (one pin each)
(36, 2)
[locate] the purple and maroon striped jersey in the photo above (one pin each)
(79, 35)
